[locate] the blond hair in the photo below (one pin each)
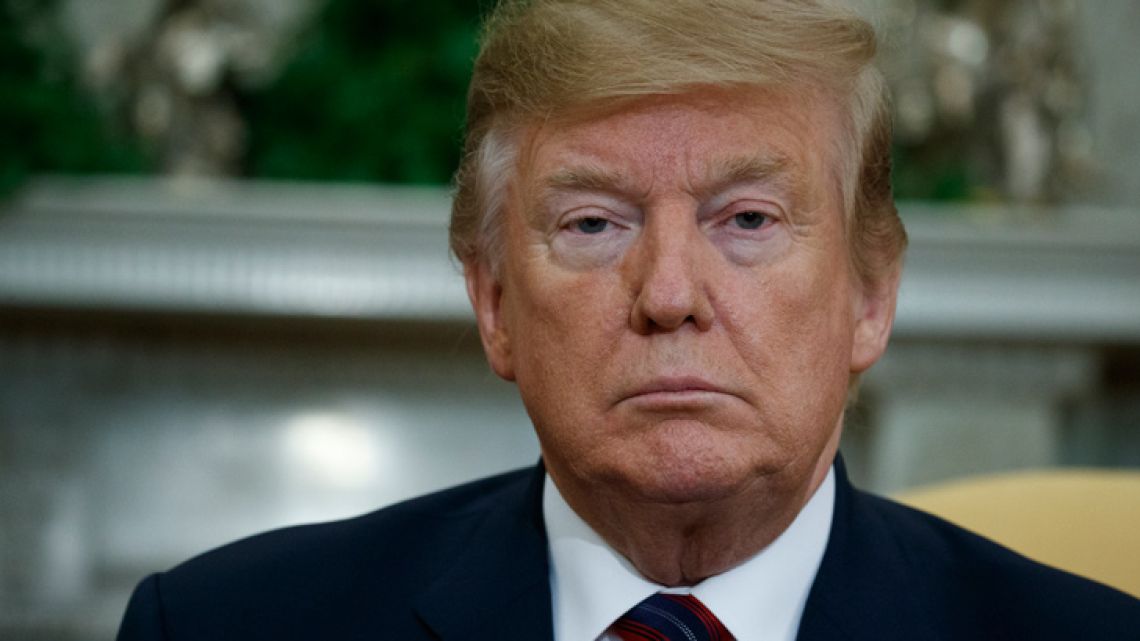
(544, 58)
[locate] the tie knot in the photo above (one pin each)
(670, 617)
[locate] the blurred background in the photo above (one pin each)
(226, 303)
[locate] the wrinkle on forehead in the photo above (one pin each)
(594, 163)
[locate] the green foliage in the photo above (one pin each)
(923, 174)
(372, 90)
(375, 91)
(47, 122)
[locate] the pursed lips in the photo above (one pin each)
(676, 390)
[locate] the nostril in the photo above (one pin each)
(655, 325)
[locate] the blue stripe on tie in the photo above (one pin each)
(673, 619)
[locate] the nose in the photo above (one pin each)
(670, 278)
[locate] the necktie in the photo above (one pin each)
(670, 617)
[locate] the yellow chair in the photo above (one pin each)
(1081, 520)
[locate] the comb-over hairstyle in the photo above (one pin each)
(541, 59)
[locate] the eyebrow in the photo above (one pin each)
(721, 174)
(588, 178)
(724, 173)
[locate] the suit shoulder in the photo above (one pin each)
(425, 521)
(1003, 588)
(274, 580)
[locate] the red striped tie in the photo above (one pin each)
(670, 617)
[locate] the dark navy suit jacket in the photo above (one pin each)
(470, 564)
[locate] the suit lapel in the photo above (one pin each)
(864, 589)
(498, 588)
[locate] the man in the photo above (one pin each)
(678, 237)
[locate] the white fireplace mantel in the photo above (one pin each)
(1070, 274)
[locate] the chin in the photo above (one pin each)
(680, 472)
(686, 488)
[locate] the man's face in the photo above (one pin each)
(676, 301)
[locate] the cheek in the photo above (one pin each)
(794, 328)
(562, 325)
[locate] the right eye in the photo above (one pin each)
(750, 220)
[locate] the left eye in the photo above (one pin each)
(592, 225)
(749, 219)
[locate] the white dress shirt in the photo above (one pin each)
(761, 599)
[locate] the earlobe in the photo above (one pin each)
(486, 295)
(874, 318)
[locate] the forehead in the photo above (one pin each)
(656, 141)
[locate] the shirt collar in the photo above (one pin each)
(763, 598)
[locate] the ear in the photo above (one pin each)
(486, 295)
(874, 317)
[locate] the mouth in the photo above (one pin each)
(672, 392)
